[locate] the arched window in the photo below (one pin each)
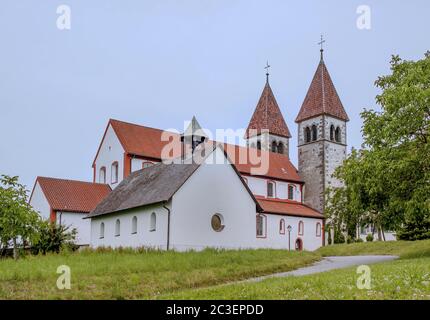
(307, 134)
(314, 132)
(281, 148)
(337, 134)
(134, 225)
(117, 228)
(259, 145)
(261, 226)
(102, 230)
(332, 132)
(102, 175)
(318, 230)
(290, 192)
(301, 228)
(270, 189)
(114, 172)
(153, 222)
(274, 146)
(146, 164)
(282, 226)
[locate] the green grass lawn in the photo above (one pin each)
(406, 278)
(128, 274)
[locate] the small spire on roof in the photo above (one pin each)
(322, 49)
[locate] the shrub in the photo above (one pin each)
(54, 238)
(359, 240)
(369, 237)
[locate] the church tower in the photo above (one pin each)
(267, 129)
(322, 138)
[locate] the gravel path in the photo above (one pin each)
(326, 264)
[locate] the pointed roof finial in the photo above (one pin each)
(321, 44)
(267, 71)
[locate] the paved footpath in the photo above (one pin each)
(326, 264)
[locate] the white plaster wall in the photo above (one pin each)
(39, 202)
(136, 164)
(111, 150)
(154, 239)
(213, 188)
(75, 220)
(280, 241)
(258, 187)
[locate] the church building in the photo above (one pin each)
(138, 199)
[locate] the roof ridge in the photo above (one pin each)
(71, 180)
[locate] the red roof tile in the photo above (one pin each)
(285, 207)
(72, 195)
(146, 142)
(322, 97)
(267, 115)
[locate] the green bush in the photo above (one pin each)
(54, 238)
(358, 240)
(369, 237)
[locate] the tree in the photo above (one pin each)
(387, 183)
(399, 137)
(18, 220)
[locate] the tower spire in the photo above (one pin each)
(322, 49)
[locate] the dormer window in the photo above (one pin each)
(114, 172)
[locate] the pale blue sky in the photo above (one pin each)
(158, 62)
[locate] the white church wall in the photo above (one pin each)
(110, 151)
(274, 239)
(213, 188)
(75, 220)
(137, 164)
(39, 202)
(258, 187)
(144, 237)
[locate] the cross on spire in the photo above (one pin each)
(267, 71)
(321, 44)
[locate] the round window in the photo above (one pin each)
(217, 222)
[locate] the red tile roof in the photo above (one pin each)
(72, 195)
(322, 97)
(286, 207)
(267, 115)
(146, 142)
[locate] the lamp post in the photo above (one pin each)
(289, 237)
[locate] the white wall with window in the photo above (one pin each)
(276, 236)
(134, 229)
(259, 187)
(110, 151)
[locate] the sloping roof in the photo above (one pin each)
(140, 140)
(267, 115)
(194, 128)
(72, 195)
(151, 185)
(322, 97)
(146, 142)
(290, 208)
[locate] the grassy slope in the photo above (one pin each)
(407, 278)
(129, 275)
(404, 249)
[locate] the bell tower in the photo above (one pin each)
(322, 138)
(267, 129)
